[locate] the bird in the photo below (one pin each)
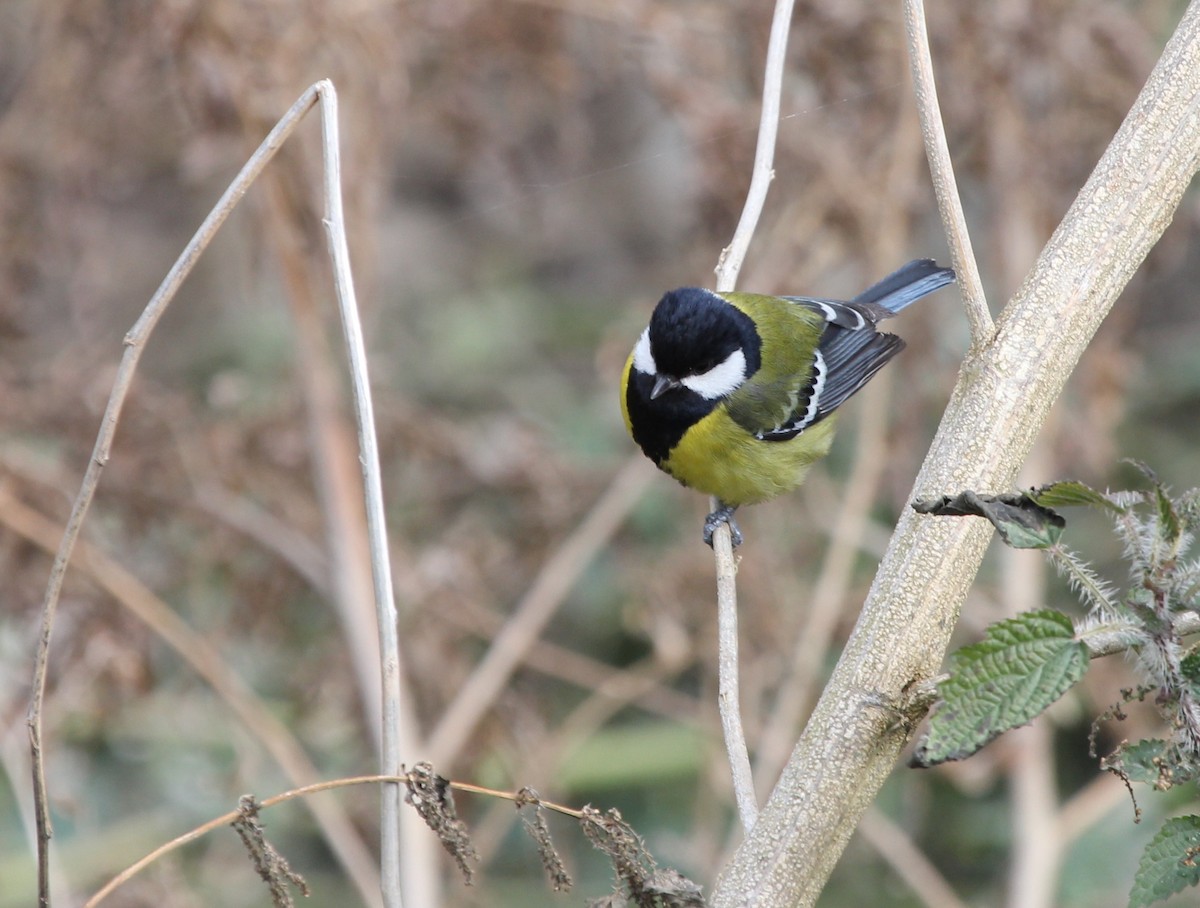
(736, 394)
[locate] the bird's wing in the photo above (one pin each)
(810, 370)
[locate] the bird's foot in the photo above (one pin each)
(723, 514)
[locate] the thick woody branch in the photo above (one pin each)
(1001, 400)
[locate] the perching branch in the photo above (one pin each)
(734, 254)
(1001, 399)
(727, 272)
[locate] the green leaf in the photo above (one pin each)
(1069, 493)
(1189, 667)
(1170, 528)
(1021, 666)
(1021, 522)
(1169, 862)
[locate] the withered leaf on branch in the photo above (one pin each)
(270, 864)
(430, 795)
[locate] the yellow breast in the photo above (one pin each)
(719, 457)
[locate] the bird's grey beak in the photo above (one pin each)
(662, 385)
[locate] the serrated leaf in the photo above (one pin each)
(1021, 666)
(1169, 862)
(1069, 493)
(1021, 521)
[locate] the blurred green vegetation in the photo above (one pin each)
(523, 181)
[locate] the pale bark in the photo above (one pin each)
(998, 406)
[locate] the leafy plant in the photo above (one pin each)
(1025, 663)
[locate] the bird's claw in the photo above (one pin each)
(723, 514)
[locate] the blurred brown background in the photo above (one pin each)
(523, 179)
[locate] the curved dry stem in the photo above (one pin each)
(224, 820)
(302, 792)
(517, 796)
(135, 342)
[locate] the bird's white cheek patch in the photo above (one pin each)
(643, 359)
(720, 380)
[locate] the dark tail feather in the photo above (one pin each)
(908, 284)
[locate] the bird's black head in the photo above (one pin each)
(697, 350)
(694, 332)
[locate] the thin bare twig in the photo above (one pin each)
(516, 796)
(535, 609)
(727, 270)
(225, 819)
(135, 342)
(942, 170)
(896, 847)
